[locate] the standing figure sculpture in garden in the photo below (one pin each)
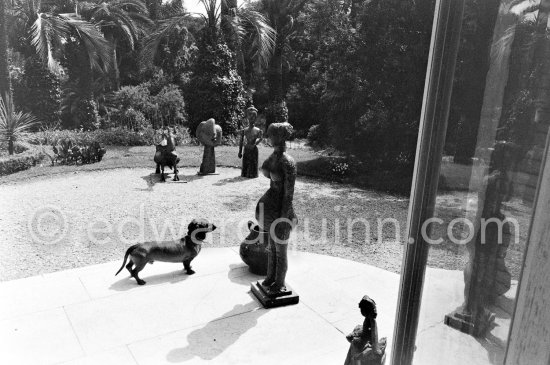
(364, 348)
(486, 276)
(253, 137)
(210, 135)
(165, 155)
(275, 215)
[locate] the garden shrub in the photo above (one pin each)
(108, 137)
(86, 114)
(171, 106)
(21, 161)
(215, 90)
(315, 136)
(130, 118)
(165, 108)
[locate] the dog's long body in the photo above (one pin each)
(184, 250)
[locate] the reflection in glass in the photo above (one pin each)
(495, 139)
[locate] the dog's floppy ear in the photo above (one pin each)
(192, 226)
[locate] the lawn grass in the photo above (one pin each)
(142, 156)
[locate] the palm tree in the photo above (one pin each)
(5, 83)
(119, 20)
(50, 31)
(13, 124)
(281, 15)
(221, 18)
(527, 95)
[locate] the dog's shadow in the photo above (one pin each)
(129, 283)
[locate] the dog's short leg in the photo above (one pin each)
(129, 266)
(187, 267)
(157, 171)
(139, 266)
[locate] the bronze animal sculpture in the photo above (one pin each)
(183, 250)
(165, 156)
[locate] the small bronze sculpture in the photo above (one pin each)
(165, 155)
(210, 135)
(275, 215)
(365, 349)
(253, 137)
(254, 250)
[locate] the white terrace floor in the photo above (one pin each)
(88, 316)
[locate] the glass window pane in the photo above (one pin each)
(496, 135)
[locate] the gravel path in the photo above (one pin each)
(86, 218)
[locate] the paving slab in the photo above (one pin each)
(89, 316)
(44, 337)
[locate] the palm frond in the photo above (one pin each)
(129, 17)
(47, 32)
(262, 34)
(165, 28)
(99, 50)
(14, 124)
(50, 31)
(522, 7)
(212, 10)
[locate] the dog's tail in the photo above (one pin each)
(125, 258)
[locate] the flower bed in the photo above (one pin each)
(20, 161)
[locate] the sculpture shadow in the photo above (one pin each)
(239, 274)
(218, 335)
(153, 179)
(494, 346)
(231, 180)
(129, 283)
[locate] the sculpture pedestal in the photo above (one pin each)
(208, 165)
(476, 326)
(269, 300)
(207, 173)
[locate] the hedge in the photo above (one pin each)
(21, 161)
(106, 137)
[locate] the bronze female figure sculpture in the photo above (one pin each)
(274, 211)
(253, 137)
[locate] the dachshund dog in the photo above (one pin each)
(183, 250)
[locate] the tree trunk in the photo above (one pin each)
(541, 67)
(11, 148)
(116, 70)
(276, 111)
(5, 82)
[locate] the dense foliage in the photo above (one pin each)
(216, 89)
(38, 91)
